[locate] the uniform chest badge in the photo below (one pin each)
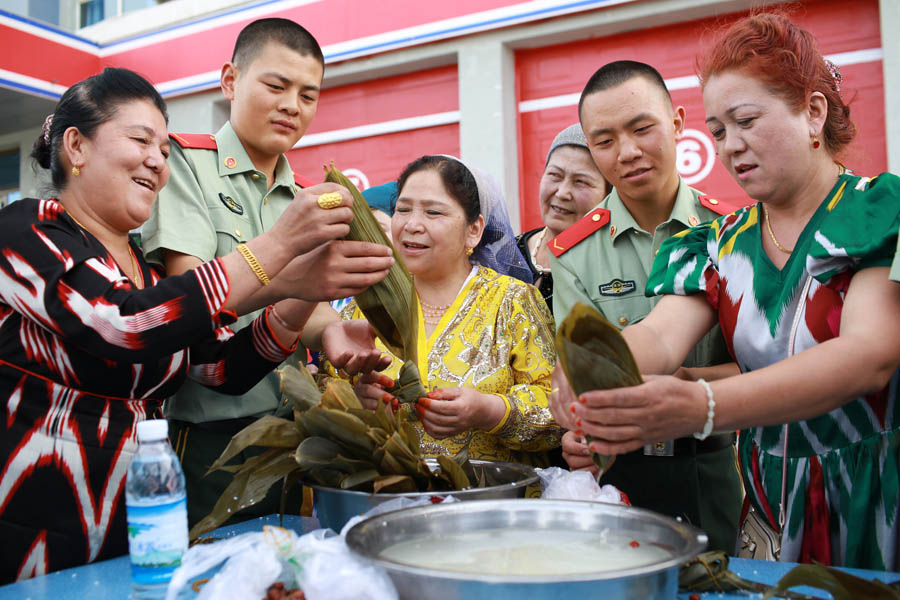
(231, 204)
(617, 287)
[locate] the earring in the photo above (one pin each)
(815, 142)
(470, 251)
(76, 171)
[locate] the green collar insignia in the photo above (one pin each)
(230, 203)
(617, 287)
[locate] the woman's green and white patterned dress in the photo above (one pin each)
(843, 489)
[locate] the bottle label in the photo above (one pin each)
(157, 538)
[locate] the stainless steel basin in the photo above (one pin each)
(334, 507)
(682, 542)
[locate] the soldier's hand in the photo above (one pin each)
(305, 225)
(336, 269)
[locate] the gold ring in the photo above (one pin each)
(329, 200)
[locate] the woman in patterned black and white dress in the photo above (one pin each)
(92, 338)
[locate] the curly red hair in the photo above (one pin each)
(786, 58)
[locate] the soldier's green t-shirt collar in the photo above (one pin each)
(233, 159)
(684, 211)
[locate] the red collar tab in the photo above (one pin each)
(717, 206)
(591, 222)
(202, 141)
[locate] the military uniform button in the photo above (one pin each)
(713, 201)
(237, 232)
(623, 321)
(612, 231)
(694, 221)
(595, 217)
(230, 162)
(254, 175)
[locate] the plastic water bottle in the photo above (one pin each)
(156, 506)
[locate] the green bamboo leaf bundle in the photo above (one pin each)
(594, 356)
(333, 442)
(390, 305)
(709, 572)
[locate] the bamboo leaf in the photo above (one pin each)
(594, 356)
(394, 483)
(408, 386)
(269, 431)
(390, 306)
(366, 416)
(841, 585)
(355, 480)
(248, 487)
(457, 476)
(339, 394)
(299, 387)
(709, 572)
(385, 418)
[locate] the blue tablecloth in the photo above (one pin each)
(110, 580)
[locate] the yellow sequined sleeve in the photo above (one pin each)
(528, 424)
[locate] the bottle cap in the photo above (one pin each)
(152, 430)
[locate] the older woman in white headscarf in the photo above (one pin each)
(485, 341)
(570, 187)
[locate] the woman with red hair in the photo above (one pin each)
(799, 283)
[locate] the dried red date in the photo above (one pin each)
(276, 591)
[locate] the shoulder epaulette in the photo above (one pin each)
(202, 141)
(717, 206)
(591, 222)
(302, 181)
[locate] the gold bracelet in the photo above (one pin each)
(274, 314)
(254, 264)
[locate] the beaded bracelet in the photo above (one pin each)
(710, 414)
(254, 264)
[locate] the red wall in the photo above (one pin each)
(380, 158)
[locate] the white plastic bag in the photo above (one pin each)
(560, 484)
(331, 572)
(391, 505)
(319, 563)
(251, 566)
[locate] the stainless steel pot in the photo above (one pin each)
(372, 536)
(334, 507)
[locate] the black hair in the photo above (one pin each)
(457, 179)
(616, 73)
(85, 106)
(253, 38)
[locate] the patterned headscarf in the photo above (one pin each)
(497, 249)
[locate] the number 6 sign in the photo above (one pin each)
(696, 156)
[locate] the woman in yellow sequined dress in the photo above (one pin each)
(485, 339)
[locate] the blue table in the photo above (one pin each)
(110, 579)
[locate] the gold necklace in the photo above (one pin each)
(136, 273)
(772, 233)
(841, 171)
